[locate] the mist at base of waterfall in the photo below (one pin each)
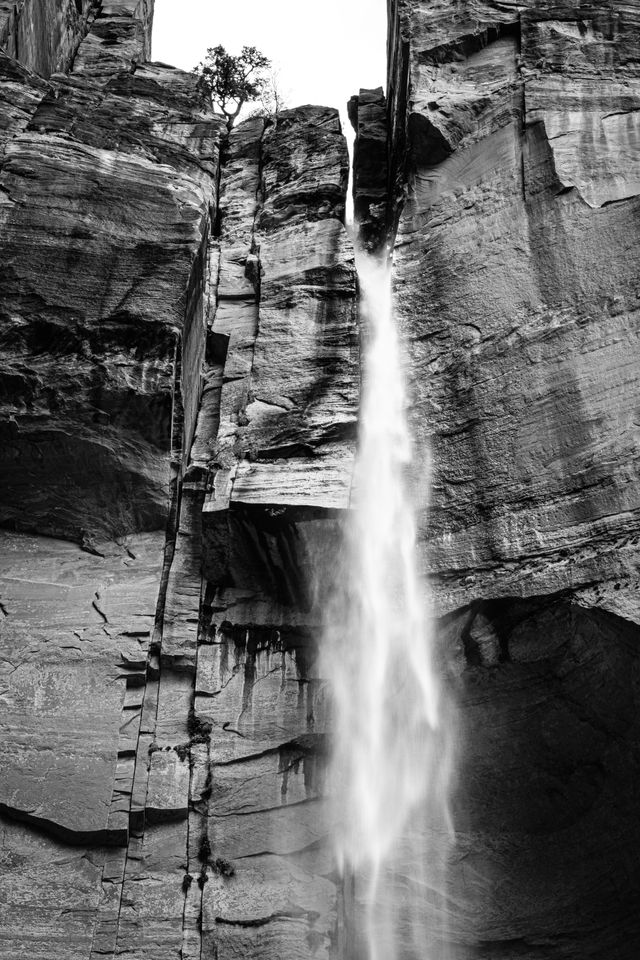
(391, 760)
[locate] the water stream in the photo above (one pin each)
(390, 765)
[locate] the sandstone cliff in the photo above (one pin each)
(179, 405)
(514, 193)
(180, 387)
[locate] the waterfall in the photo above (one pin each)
(390, 766)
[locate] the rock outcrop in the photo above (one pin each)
(516, 267)
(44, 36)
(368, 115)
(108, 180)
(515, 197)
(179, 399)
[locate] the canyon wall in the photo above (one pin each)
(179, 391)
(179, 400)
(514, 195)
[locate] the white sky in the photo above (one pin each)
(323, 52)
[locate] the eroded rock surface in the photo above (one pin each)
(44, 37)
(368, 115)
(179, 399)
(516, 285)
(179, 335)
(516, 199)
(107, 185)
(76, 633)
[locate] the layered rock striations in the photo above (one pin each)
(517, 262)
(514, 192)
(368, 115)
(180, 395)
(44, 36)
(107, 183)
(180, 388)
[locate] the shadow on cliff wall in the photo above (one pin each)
(545, 807)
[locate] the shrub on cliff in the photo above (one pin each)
(231, 81)
(271, 101)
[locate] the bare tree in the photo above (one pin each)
(271, 101)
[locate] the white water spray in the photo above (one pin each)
(390, 768)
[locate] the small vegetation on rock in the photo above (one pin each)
(224, 867)
(271, 102)
(204, 850)
(231, 81)
(199, 730)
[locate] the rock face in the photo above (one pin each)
(368, 115)
(178, 320)
(518, 270)
(44, 36)
(515, 195)
(107, 186)
(179, 399)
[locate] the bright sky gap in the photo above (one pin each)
(322, 54)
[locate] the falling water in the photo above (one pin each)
(389, 766)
